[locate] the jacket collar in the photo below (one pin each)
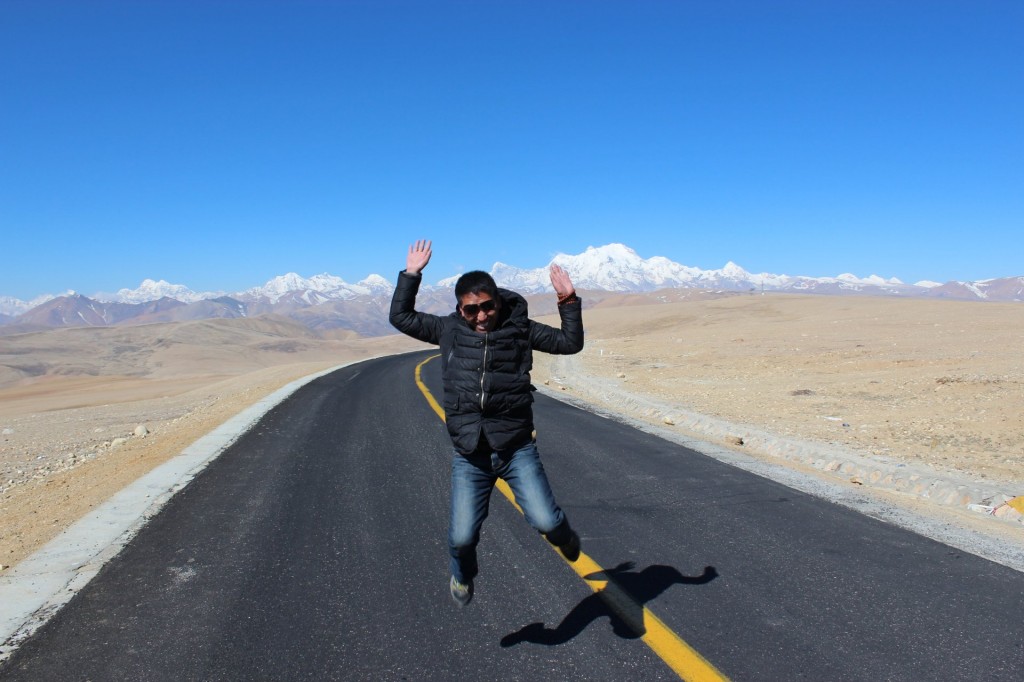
(514, 309)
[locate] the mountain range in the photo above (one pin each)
(326, 302)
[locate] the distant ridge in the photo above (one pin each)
(326, 302)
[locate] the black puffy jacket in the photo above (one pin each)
(487, 375)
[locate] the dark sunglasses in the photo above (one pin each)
(471, 309)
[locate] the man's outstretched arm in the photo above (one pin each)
(568, 339)
(403, 316)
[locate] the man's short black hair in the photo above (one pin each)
(476, 282)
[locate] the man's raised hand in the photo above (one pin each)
(560, 281)
(418, 257)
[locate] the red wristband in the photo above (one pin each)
(567, 298)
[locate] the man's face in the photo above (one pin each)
(480, 311)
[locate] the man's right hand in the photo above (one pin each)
(419, 256)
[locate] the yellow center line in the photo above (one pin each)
(682, 658)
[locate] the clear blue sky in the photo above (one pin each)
(218, 144)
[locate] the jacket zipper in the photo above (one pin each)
(483, 371)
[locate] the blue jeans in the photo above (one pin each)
(473, 479)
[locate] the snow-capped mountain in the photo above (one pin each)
(151, 290)
(11, 306)
(293, 288)
(616, 267)
(1002, 289)
(15, 306)
(328, 302)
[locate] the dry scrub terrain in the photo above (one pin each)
(936, 383)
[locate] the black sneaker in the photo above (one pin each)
(571, 549)
(462, 593)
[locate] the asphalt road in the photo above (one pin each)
(314, 548)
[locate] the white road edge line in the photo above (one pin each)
(39, 585)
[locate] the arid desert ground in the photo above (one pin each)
(934, 384)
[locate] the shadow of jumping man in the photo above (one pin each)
(621, 601)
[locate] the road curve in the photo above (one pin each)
(314, 548)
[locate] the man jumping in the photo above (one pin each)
(487, 349)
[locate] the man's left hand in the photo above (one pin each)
(561, 282)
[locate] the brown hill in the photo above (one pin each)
(212, 346)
